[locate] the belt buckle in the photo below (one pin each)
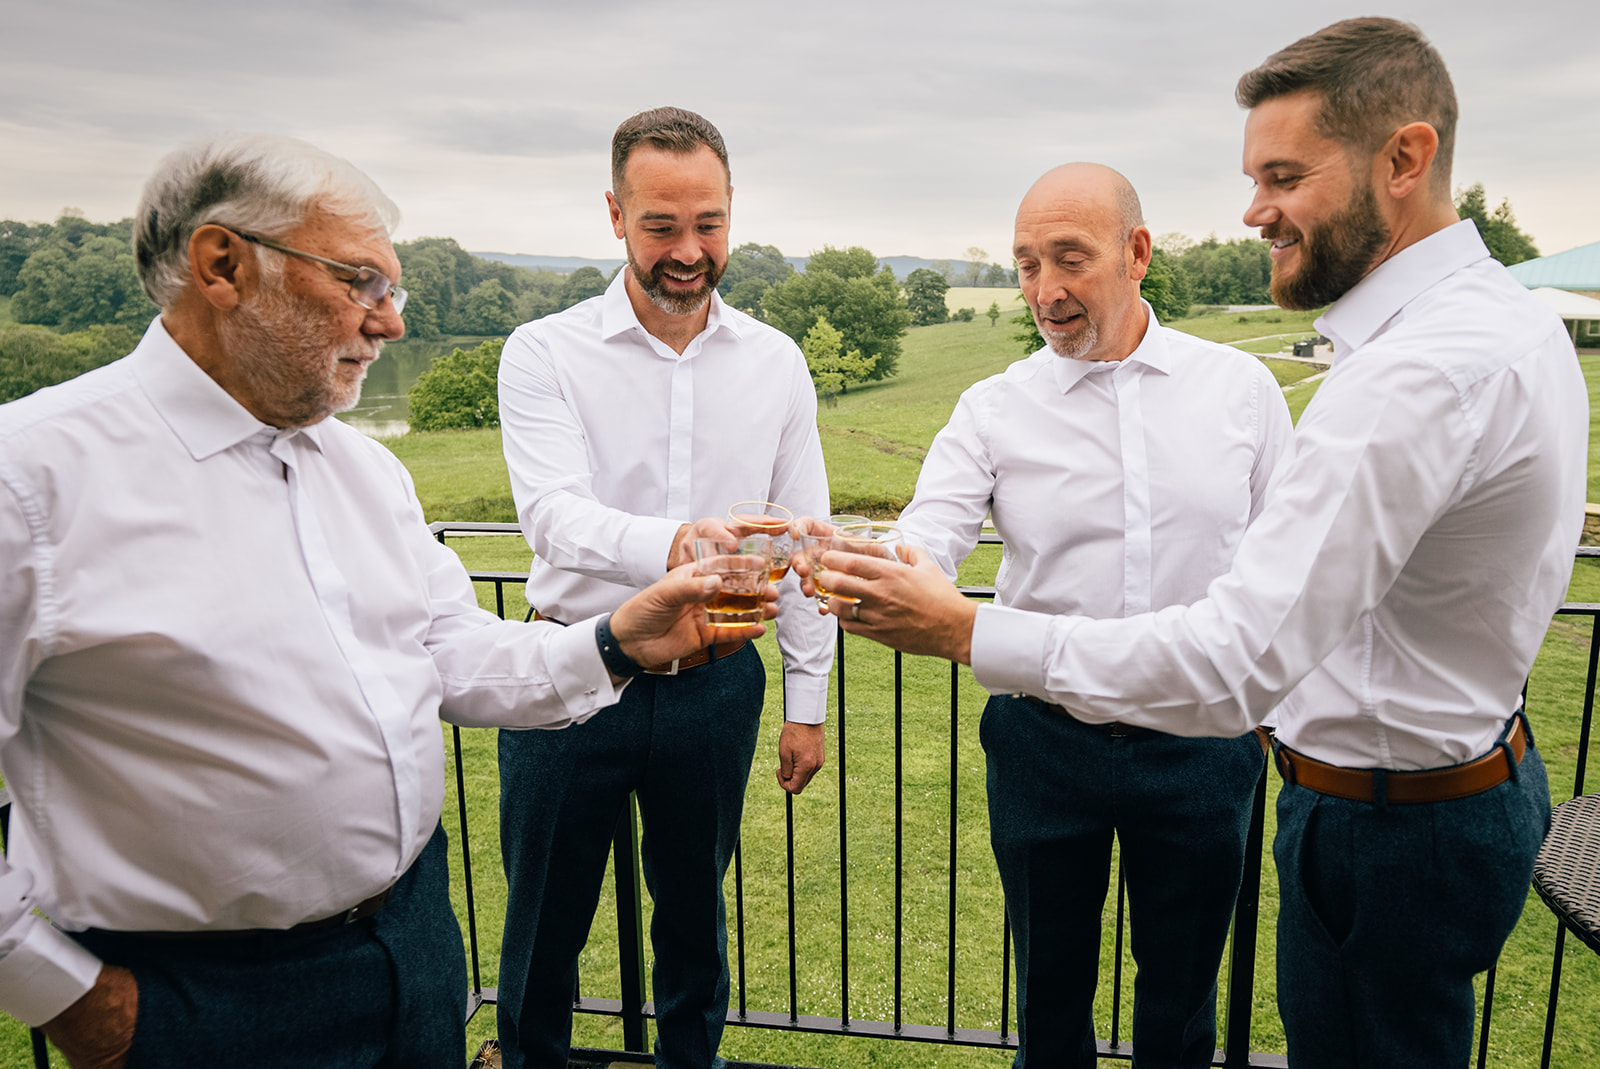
(350, 914)
(1120, 730)
(670, 671)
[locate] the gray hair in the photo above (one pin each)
(262, 184)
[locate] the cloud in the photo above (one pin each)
(908, 127)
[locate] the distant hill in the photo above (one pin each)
(565, 265)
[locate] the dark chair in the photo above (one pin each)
(1567, 871)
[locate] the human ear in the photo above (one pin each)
(221, 271)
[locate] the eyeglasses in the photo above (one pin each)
(368, 288)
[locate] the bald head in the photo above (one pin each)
(1090, 185)
(1082, 250)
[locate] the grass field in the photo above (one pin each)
(979, 298)
(874, 439)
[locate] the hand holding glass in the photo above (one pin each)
(743, 566)
(775, 521)
(870, 539)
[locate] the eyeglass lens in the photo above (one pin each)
(369, 288)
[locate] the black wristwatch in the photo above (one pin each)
(611, 655)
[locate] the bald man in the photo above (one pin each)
(1121, 464)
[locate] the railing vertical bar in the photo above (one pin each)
(1005, 973)
(500, 598)
(466, 861)
(738, 905)
(1116, 962)
(1483, 1029)
(788, 812)
(41, 1050)
(630, 925)
(1555, 993)
(1588, 707)
(899, 830)
(844, 853)
(1246, 917)
(955, 768)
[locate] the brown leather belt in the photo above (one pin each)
(359, 911)
(1132, 731)
(695, 659)
(1409, 788)
(672, 668)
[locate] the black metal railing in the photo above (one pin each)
(634, 1010)
(1234, 1027)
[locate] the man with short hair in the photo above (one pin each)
(1122, 464)
(626, 418)
(1391, 597)
(226, 640)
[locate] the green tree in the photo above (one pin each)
(995, 275)
(925, 292)
(993, 313)
(752, 270)
(489, 309)
(943, 269)
(459, 390)
(1232, 272)
(832, 369)
(32, 358)
(17, 242)
(1506, 241)
(1166, 287)
(861, 302)
(975, 262)
(582, 284)
(1027, 333)
(80, 276)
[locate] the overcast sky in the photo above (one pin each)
(910, 128)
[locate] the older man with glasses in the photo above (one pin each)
(226, 640)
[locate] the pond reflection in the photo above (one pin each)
(383, 411)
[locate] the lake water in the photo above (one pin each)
(383, 411)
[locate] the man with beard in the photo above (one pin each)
(226, 640)
(625, 418)
(1396, 587)
(1122, 464)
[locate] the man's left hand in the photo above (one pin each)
(801, 754)
(910, 607)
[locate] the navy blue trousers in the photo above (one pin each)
(389, 990)
(1180, 810)
(1387, 912)
(684, 743)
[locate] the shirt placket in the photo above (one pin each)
(1135, 491)
(333, 595)
(680, 439)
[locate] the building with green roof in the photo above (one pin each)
(1576, 270)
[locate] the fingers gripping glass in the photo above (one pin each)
(368, 288)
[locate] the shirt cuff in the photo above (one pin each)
(645, 546)
(578, 673)
(805, 698)
(1008, 650)
(44, 974)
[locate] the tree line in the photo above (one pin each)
(76, 300)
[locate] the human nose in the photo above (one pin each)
(384, 321)
(1261, 212)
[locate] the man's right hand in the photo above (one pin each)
(682, 551)
(96, 1031)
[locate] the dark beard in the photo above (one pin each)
(674, 303)
(1336, 255)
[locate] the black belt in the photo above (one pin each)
(1117, 730)
(360, 911)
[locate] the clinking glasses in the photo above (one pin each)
(368, 288)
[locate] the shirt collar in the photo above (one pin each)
(1151, 352)
(618, 317)
(206, 419)
(1353, 320)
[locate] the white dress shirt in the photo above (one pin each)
(224, 652)
(613, 441)
(1400, 579)
(1118, 486)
